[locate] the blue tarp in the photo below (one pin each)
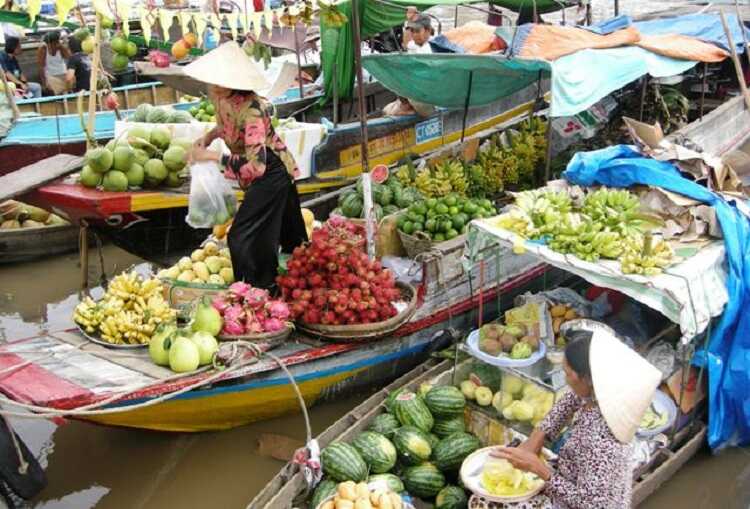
(580, 80)
(727, 357)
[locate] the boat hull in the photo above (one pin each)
(29, 243)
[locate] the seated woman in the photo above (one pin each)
(611, 388)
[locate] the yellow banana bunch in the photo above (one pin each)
(643, 255)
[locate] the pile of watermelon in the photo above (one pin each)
(417, 446)
(388, 195)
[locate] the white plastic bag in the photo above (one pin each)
(212, 200)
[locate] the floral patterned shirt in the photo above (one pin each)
(594, 469)
(243, 121)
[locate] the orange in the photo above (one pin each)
(190, 39)
(180, 50)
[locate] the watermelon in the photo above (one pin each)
(141, 112)
(423, 481)
(385, 424)
(412, 444)
(445, 427)
(390, 210)
(386, 196)
(157, 116)
(379, 174)
(389, 401)
(342, 462)
(325, 489)
(451, 497)
(352, 206)
(410, 410)
(392, 481)
(453, 449)
(445, 401)
(377, 451)
(343, 196)
(433, 439)
(485, 375)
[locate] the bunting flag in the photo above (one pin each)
(215, 26)
(145, 25)
(165, 20)
(123, 12)
(200, 27)
(34, 7)
(268, 20)
(232, 19)
(257, 16)
(63, 8)
(184, 19)
(244, 22)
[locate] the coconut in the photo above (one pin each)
(160, 137)
(140, 131)
(181, 142)
(175, 158)
(155, 171)
(122, 157)
(135, 175)
(173, 179)
(115, 181)
(140, 156)
(99, 159)
(89, 177)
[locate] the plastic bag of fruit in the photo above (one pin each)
(212, 200)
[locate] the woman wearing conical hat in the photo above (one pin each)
(611, 386)
(270, 214)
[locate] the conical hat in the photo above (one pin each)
(624, 384)
(228, 66)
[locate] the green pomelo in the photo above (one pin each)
(119, 45)
(131, 49)
(115, 181)
(120, 62)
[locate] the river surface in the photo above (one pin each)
(92, 466)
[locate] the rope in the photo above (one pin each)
(23, 465)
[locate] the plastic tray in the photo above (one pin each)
(662, 403)
(472, 344)
(471, 474)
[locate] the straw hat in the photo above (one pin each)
(228, 66)
(624, 384)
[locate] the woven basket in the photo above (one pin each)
(272, 339)
(415, 244)
(366, 331)
(182, 295)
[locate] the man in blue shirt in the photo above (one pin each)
(13, 73)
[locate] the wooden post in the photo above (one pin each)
(735, 60)
(299, 65)
(95, 64)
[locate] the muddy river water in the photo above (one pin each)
(92, 466)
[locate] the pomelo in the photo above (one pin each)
(119, 45)
(90, 178)
(82, 34)
(87, 45)
(135, 175)
(115, 181)
(120, 62)
(175, 158)
(131, 49)
(123, 157)
(99, 159)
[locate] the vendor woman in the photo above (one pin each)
(270, 214)
(611, 386)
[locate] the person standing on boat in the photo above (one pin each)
(78, 72)
(9, 63)
(270, 214)
(51, 57)
(611, 388)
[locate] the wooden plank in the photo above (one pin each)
(136, 360)
(37, 174)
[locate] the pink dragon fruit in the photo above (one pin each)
(273, 325)
(256, 298)
(240, 289)
(220, 304)
(278, 309)
(232, 328)
(234, 313)
(253, 326)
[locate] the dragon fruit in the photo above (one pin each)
(253, 326)
(220, 304)
(256, 298)
(273, 325)
(278, 309)
(232, 328)
(234, 313)
(240, 289)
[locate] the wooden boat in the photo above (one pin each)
(288, 488)
(24, 244)
(151, 223)
(79, 375)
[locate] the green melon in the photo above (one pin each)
(410, 410)
(377, 451)
(423, 481)
(412, 444)
(453, 449)
(445, 401)
(342, 462)
(385, 424)
(451, 497)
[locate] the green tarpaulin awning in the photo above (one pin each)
(447, 80)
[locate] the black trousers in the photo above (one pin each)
(269, 217)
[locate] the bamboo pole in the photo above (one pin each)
(735, 60)
(742, 29)
(95, 64)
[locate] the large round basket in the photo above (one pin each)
(415, 244)
(271, 339)
(96, 338)
(366, 331)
